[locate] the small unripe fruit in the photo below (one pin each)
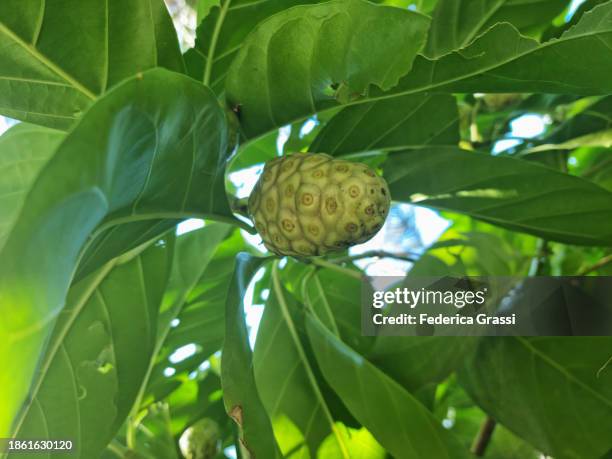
(309, 204)
(201, 440)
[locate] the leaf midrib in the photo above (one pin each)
(462, 77)
(276, 284)
(48, 63)
(555, 365)
(213, 42)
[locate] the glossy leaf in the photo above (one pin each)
(56, 58)
(194, 260)
(378, 402)
(155, 149)
(285, 380)
(336, 300)
(358, 443)
(24, 150)
(98, 353)
(196, 256)
(552, 391)
(202, 317)
(240, 395)
(402, 122)
(556, 30)
(119, 239)
(415, 361)
(194, 252)
(508, 192)
(455, 23)
(464, 419)
(501, 60)
(221, 34)
(312, 57)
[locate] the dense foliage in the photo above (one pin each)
(123, 136)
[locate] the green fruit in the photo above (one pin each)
(311, 204)
(201, 440)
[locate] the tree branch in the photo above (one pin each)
(333, 266)
(539, 263)
(479, 446)
(594, 267)
(376, 254)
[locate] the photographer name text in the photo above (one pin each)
(422, 297)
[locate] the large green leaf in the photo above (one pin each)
(312, 57)
(336, 300)
(56, 58)
(513, 193)
(24, 150)
(415, 361)
(98, 353)
(455, 23)
(223, 31)
(193, 261)
(286, 382)
(464, 419)
(152, 148)
(551, 391)
(119, 239)
(240, 395)
(403, 122)
(202, 316)
(501, 60)
(557, 29)
(396, 419)
(196, 257)
(482, 252)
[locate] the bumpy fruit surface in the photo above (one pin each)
(308, 204)
(201, 440)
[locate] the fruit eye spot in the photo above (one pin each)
(267, 177)
(341, 168)
(317, 174)
(307, 199)
(277, 239)
(312, 229)
(369, 173)
(270, 204)
(369, 210)
(354, 191)
(382, 190)
(351, 227)
(262, 231)
(289, 190)
(288, 225)
(331, 205)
